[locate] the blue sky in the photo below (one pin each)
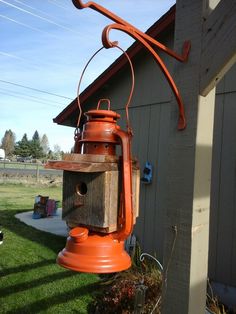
(44, 45)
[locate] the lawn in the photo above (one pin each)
(30, 280)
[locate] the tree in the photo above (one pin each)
(26, 148)
(36, 151)
(50, 154)
(36, 136)
(57, 153)
(22, 148)
(45, 144)
(8, 142)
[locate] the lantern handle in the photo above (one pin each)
(79, 84)
(102, 100)
(112, 45)
(127, 203)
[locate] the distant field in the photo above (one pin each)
(20, 165)
(13, 172)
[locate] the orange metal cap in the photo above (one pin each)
(95, 253)
(103, 115)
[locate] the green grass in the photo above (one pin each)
(30, 280)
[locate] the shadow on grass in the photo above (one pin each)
(26, 267)
(35, 283)
(10, 222)
(44, 304)
(55, 244)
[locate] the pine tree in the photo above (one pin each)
(8, 142)
(35, 136)
(22, 148)
(36, 151)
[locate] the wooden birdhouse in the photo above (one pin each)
(91, 193)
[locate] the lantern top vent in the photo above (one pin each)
(102, 115)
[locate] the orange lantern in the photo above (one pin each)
(100, 193)
(101, 190)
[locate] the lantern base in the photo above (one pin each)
(94, 253)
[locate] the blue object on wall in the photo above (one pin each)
(147, 173)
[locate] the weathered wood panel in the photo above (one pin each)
(91, 199)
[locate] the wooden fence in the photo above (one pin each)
(36, 169)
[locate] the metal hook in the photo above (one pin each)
(146, 40)
(107, 43)
(80, 5)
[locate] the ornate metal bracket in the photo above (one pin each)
(147, 41)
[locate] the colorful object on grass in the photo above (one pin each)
(44, 207)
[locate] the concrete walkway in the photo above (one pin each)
(53, 224)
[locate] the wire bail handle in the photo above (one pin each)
(114, 45)
(104, 100)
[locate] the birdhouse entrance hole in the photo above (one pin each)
(81, 188)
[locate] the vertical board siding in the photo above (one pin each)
(215, 185)
(151, 124)
(150, 121)
(150, 127)
(222, 258)
(144, 116)
(144, 120)
(226, 223)
(149, 241)
(230, 84)
(160, 200)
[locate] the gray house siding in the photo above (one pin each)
(150, 116)
(150, 144)
(222, 251)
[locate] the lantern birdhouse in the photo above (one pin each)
(100, 195)
(101, 188)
